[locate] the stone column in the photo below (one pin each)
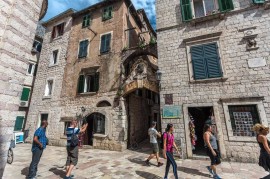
(123, 114)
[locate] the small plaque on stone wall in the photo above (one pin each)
(171, 112)
(168, 99)
(256, 62)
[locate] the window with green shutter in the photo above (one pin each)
(186, 10)
(83, 49)
(225, 5)
(19, 123)
(81, 82)
(25, 94)
(86, 21)
(105, 43)
(258, 1)
(107, 13)
(206, 61)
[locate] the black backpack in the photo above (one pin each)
(74, 141)
(162, 140)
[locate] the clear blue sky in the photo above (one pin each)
(58, 6)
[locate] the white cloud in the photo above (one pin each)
(58, 6)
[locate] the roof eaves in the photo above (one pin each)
(70, 11)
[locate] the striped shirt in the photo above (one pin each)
(69, 132)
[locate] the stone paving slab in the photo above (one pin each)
(99, 164)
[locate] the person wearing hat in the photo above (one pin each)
(153, 133)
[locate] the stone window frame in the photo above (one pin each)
(261, 113)
(51, 64)
(200, 40)
(52, 91)
(100, 41)
(33, 68)
(88, 48)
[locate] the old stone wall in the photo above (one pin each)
(17, 30)
(241, 80)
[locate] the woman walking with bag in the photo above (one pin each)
(264, 143)
(212, 150)
(168, 144)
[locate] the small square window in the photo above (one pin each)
(58, 30)
(86, 21)
(107, 13)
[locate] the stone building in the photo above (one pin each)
(97, 65)
(214, 60)
(17, 31)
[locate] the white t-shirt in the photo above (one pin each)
(153, 135)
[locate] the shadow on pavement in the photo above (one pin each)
(58, 172)
(137, 161)
(266, 177)
(147, 175)
(192, 171)
(25, 171)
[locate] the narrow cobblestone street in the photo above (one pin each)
(99, 164)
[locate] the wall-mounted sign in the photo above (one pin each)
(168, 99)
(171, 112)
(257, 62)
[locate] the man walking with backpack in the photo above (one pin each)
(153, 133)
(72, 146)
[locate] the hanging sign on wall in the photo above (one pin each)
(171, 112)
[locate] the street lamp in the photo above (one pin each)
(158, 75)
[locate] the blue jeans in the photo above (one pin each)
(170, 160)
(36, 155)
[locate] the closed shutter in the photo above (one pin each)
(258, 1)
(83, 49)
(198, 62)
(81, 84)
(103, 44)
(186, 10)
(108, 42)
(25, 94)
(225, 5)
(212, 60)
(96, 82)
(110, 9)
(19, 123)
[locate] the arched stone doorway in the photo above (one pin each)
(140, 90)
(96, 125)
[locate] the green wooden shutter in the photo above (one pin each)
(86, 21)
(85, 48)
(25, 94)
(19, 123)
(81, 50)
(225, 5)
(81, 84)
(103, 44)
(96, 82)
(186, 10)
(212, 59)
(258, 1)
(110, 12)
(198, 62)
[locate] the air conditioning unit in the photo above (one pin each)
(23, 104)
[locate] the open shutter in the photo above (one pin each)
(198, 62)
(186, 10)
(110, 12)
(108, 42)
(19, 123)
(258, 1)
(225, 5)
(25, 94)
(212, 60)
(96, 82)
(81, 84)
(103, 44)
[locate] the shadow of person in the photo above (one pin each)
(137, 161)
(25, 171)
(266, 177)
(58, 172)
(147, 175)
(192, 171)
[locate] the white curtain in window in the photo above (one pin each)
(198, 8)
(210, 6)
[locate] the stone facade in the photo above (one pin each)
(105, 104)
(242, 83)
(17, 30)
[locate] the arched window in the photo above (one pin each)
(104, 104)
(98, 123)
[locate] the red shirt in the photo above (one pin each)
(169, 141)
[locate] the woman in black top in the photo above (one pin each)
(264, 143)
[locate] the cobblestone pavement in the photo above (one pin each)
(101, 164)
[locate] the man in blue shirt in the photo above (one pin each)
(72, 151)
(39, 144)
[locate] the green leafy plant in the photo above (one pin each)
(152, 41)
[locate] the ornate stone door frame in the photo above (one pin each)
(218, 124)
